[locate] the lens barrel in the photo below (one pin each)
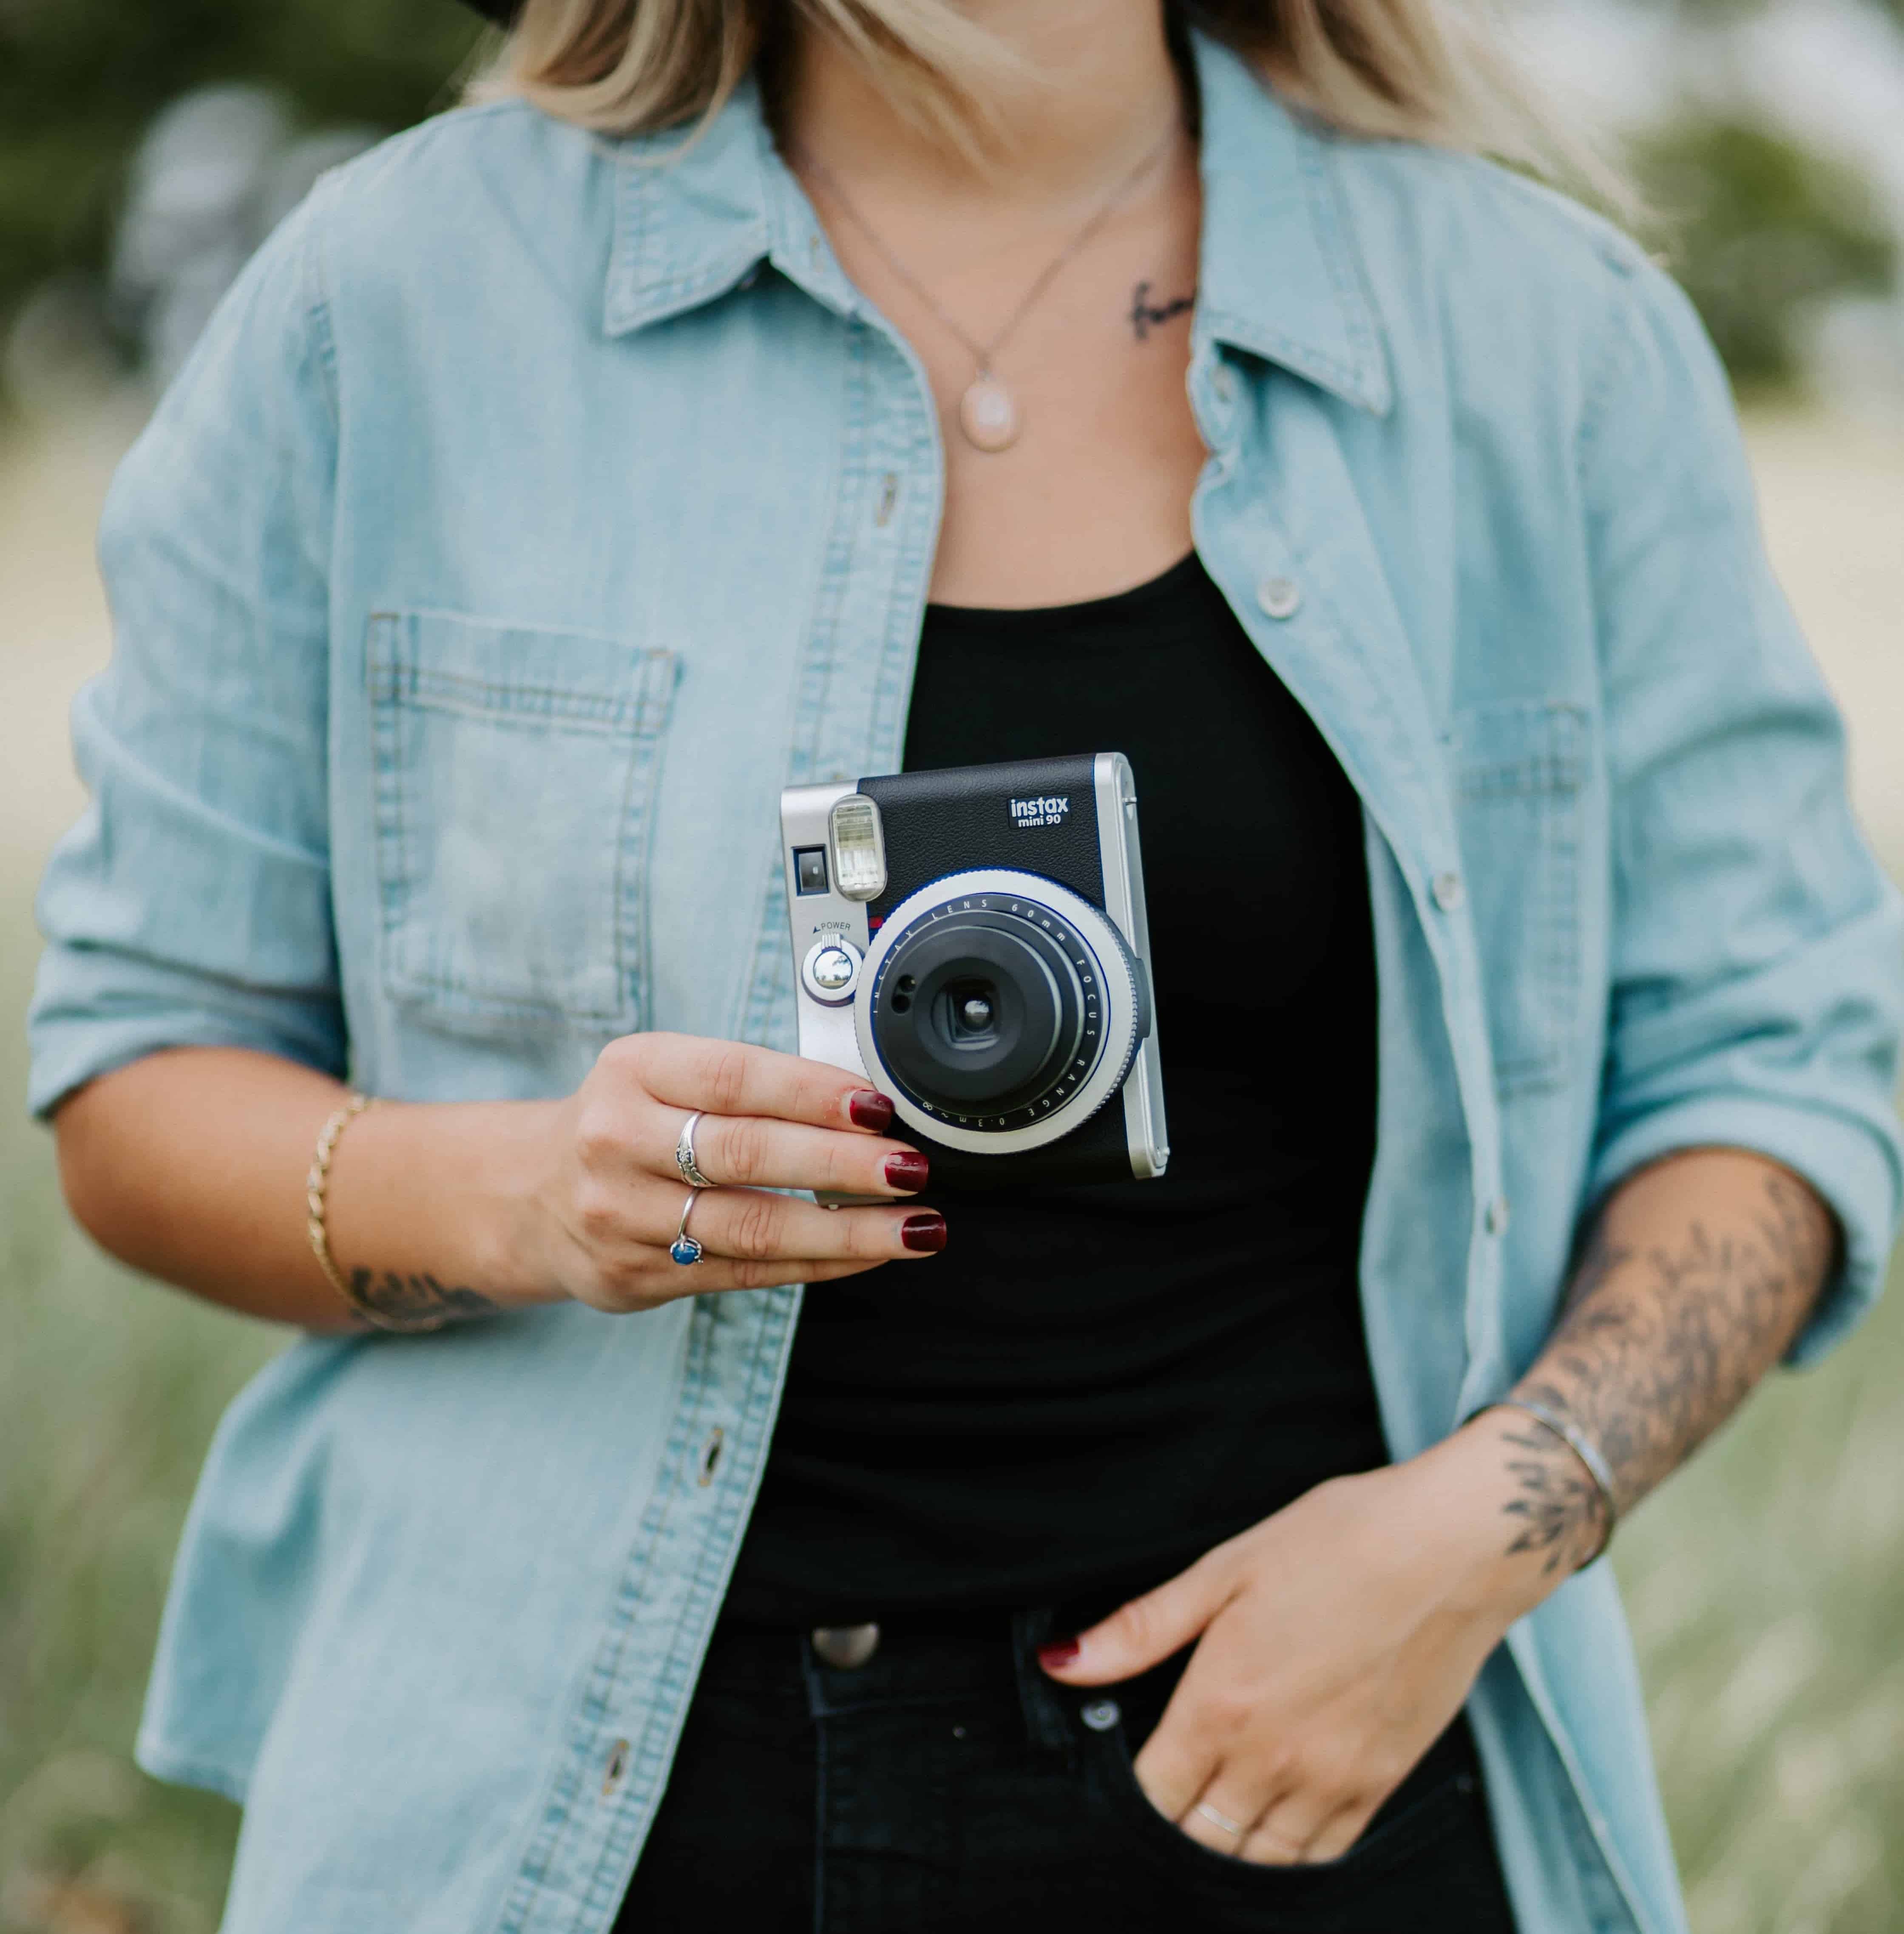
(984, 1013)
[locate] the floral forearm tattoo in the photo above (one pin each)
(415, 1302)
(1658, 1344)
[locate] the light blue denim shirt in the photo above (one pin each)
(530, 515)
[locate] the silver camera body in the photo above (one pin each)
(974, 943)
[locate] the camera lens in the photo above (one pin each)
(999, 1010)
(983, 1012)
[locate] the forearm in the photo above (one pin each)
(1697, 1275)
(190, 1165)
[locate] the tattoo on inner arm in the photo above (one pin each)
(1657, 1345)
(1146, 315)
(417, 1301)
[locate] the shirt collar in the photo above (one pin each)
(695, 214)
(1279, 276)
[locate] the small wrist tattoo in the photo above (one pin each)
(395, 1301)
(1146, 315)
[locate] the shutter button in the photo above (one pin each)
(1280, 597)
(846, 1647)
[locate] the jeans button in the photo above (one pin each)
(848, 1647)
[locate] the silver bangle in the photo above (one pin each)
(1584, 1448)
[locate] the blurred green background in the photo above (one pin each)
(1766, 1583)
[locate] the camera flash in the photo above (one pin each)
(859, 847)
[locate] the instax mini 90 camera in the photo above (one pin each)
(974, 942)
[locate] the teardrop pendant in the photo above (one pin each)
(987, 414)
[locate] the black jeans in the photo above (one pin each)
(948, 1784)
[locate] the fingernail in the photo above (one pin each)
(908, 1170)
(924, 1232)
(868, 1108)
(1059, 1653)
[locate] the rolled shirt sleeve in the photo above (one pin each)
(190, 905)
(1757, 951)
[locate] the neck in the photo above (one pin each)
(1090, 86)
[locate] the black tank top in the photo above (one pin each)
(1089, 1387)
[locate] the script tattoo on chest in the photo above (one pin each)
(1146, 315)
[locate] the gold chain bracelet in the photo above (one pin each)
(316, 1184)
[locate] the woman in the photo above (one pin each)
(550, 494)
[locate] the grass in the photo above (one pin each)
(109, 1390)
(1766, 1584)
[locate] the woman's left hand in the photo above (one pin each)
(1338, 1639)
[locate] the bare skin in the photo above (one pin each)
(1094, 496)
(1335, 1639)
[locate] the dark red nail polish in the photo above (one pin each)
(1059, 1653)
(908, 1170)
(924, 1232)
(868, 1109)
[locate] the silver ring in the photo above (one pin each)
(1216, 1819)
(684, 1155)
(686, 1249)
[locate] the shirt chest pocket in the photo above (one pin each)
(1519, 770)
(516, 770)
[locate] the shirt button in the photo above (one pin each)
(1225, 384)
(1449, 890)
(1100, 1715)
(1280, 597)
(1496, 1217)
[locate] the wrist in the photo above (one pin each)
(444, 1195)
(507, 1146)
(1504, 1548)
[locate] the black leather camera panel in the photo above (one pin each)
(956, 821)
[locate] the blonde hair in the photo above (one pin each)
(1432, 71)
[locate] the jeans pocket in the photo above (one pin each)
(1382, 1876)
(516, 769)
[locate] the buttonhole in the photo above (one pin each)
(618, 1764)
(710, 1456)
(889, 496)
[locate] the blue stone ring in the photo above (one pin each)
(686, 1248)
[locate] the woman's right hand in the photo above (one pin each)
(606, 1197)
